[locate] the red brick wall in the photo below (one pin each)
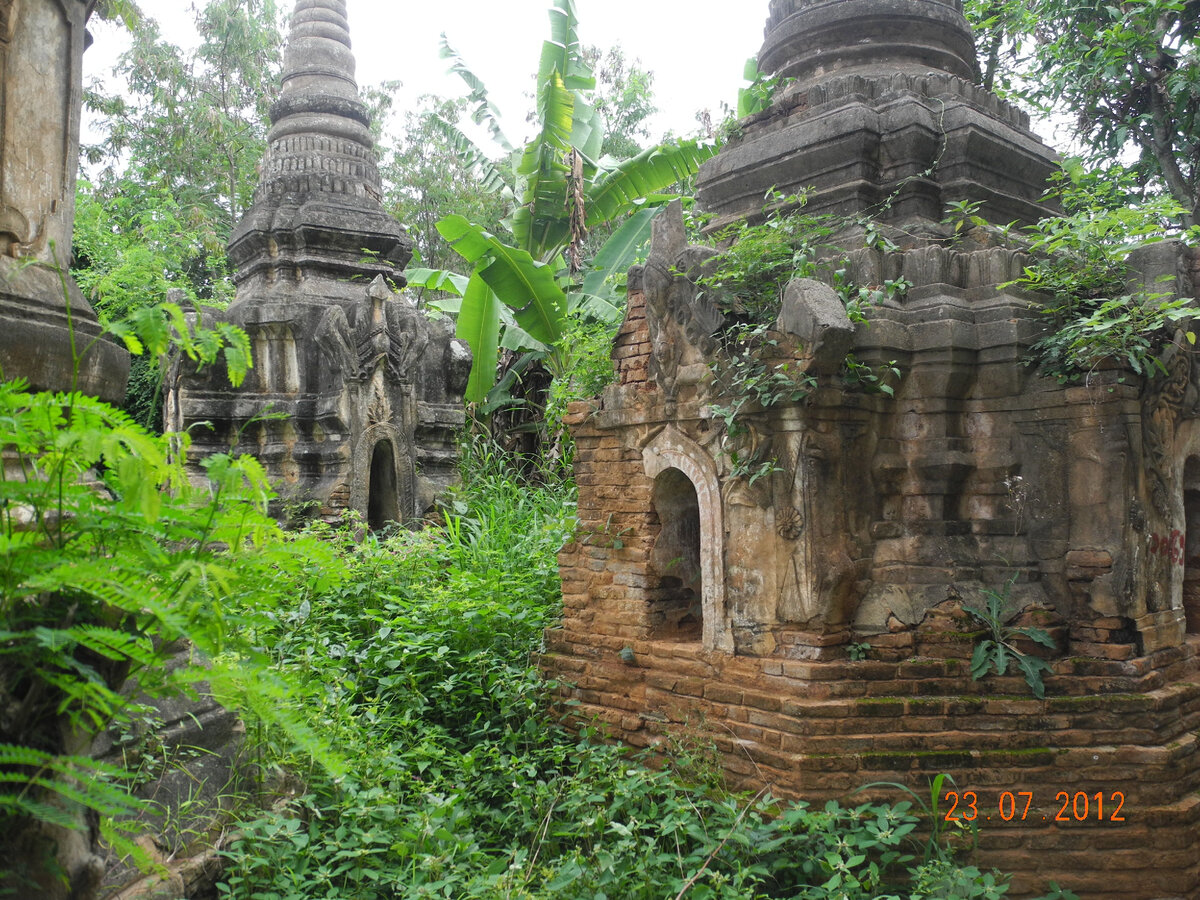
(821, 730)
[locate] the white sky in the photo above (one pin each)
(696, 49)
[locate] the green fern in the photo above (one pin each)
(109, 554)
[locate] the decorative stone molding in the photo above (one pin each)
(674, 450)
(41, 84)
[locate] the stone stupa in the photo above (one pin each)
(363, 391)
(808, 616)
(885, 117)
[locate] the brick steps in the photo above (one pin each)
(1093, 733)
(1079, 677)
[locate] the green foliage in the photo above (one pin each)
(859, 651)
(175, 168)
(125, 12)
(624, 97)
(110, 556)
(585, 355)
(996, 651)
(758, 95)
(1130, 330)
(1129, 74)
(1081, 267)
(964, 215)
(428, 170)
(562, 186)
(758, 260)
(750, 380)
(193, 124)
(746, 282)
(417, 656)
(939, 875)
(113, 558)
(861, 376)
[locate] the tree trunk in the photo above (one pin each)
(51, 862)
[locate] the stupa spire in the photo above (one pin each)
(318, 75)
(318, 207)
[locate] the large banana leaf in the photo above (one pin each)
(568, 122)
(491, 177)
(440, 280)
(597, 297)
(485, 112)
(652, 170)
(563, 52)
(479, 326)
(437, 280)
(525, 285)
(541, 223)
(623, 245)
(513, 336)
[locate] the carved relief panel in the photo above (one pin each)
(41, 48)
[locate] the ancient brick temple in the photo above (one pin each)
(697, 600)
(366, 389)
(41, 84)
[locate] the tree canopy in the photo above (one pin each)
(1126, 74)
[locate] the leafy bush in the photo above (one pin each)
(1082, 267)
(111, 557)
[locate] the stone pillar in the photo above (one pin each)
(41, 60)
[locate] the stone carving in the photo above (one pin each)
(371, 387)
(41, 61)
(682, 324)
(1162, 410)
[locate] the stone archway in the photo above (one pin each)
(382, 477)
(673, 450)
(677, 610)
(383, 499)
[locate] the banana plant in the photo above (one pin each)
(519, 295)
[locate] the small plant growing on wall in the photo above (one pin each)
(859, 651)
(997, 652)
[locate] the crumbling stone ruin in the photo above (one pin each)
(362, 392)
(699, 598)
(41, 70)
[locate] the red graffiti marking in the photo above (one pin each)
(1172, 547)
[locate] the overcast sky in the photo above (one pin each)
(696, 49)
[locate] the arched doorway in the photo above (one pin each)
(383, 504)
(673, 450)
(1191, 547)
(676, 607)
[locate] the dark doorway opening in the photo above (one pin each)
(676, 610)
(1191, 546)
(383, 503)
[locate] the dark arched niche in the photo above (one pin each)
(1191, 554)
(676, 607)
(383, 498)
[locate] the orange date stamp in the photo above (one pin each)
(1018, 806)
